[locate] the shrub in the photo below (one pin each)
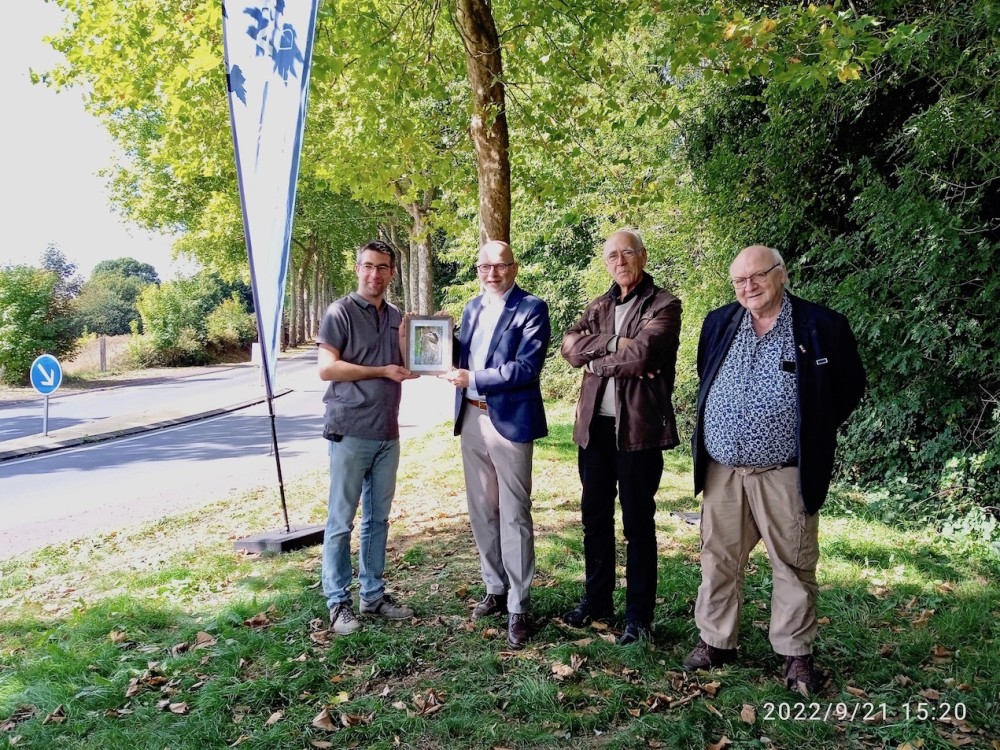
(33, 321)
(230, 326)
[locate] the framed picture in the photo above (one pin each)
(427, 344)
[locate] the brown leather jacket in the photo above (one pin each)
(645, 411)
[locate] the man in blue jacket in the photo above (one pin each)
(502, 340)
(775, 385)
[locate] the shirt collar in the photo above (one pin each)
(783, 319)
(640, 289)
(493, 299)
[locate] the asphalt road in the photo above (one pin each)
(97, 487)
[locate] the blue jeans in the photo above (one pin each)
(362, 470)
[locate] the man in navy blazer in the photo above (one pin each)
(502, 341)
(778, 375)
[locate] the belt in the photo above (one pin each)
(744, 471)
(479, 404)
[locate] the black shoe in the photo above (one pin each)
(582, 615)
(492, 604)
(704, 656)
(801, 675)
(633, 633)
(518, 630)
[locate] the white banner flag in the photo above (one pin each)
(268, 47)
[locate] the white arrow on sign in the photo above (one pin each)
(49, 377)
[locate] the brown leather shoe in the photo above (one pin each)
(801, 675)
(492, 604)
(704, 656)
(518, 630)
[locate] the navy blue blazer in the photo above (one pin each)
(830, 377)
(510, 380)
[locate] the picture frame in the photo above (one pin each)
(427, 343)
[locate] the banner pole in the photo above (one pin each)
(274, 438)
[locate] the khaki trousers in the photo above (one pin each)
(740, 507)
(498, 488)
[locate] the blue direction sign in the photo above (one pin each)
(46, 374)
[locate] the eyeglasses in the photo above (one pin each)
(369, 267)
(626, 254)
(487, 267)
(757, 278)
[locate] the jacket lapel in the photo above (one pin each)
(506, 317)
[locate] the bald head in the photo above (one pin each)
(768, 254)
(497, 267)
(758, 276)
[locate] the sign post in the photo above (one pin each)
(46, 377)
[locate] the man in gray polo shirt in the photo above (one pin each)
(359, 355)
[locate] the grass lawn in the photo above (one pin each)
(168, 638)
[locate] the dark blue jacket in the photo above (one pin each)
(510, 380)
(831, 381)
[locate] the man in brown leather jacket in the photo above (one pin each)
(626, 342)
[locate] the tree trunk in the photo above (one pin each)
(292, 314)
(421, 265)
(474, 21)
(315, 306)
(305, 268)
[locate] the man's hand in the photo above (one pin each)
(398, 373)
(457, 377)
(624, 342)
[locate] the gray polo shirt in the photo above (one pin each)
(364, 336)
(751, 414)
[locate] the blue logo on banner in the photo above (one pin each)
(46, 374)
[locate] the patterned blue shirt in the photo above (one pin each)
(751, 414)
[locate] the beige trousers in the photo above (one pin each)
(741, 507)
(498, 488)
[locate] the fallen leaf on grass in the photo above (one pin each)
(274, 718)
(204, 640)
(562, 671)
(58, 716)
(886, 650)
(583, 642)
(956, 739)
(261, 619)
(323, 720)
(635, 713)
(747, 714)
(723, 742)
(118, 636)
(428, 704)
(322, 744)
(856, 691)
(924, 617)
(940, 654)
(239, 740)
(823, 621)
(917, 744)
(713, 709)
(711, 687)
(179, 708)
(659, 702)
(354, 720)
(931, 694)
(22, 714)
